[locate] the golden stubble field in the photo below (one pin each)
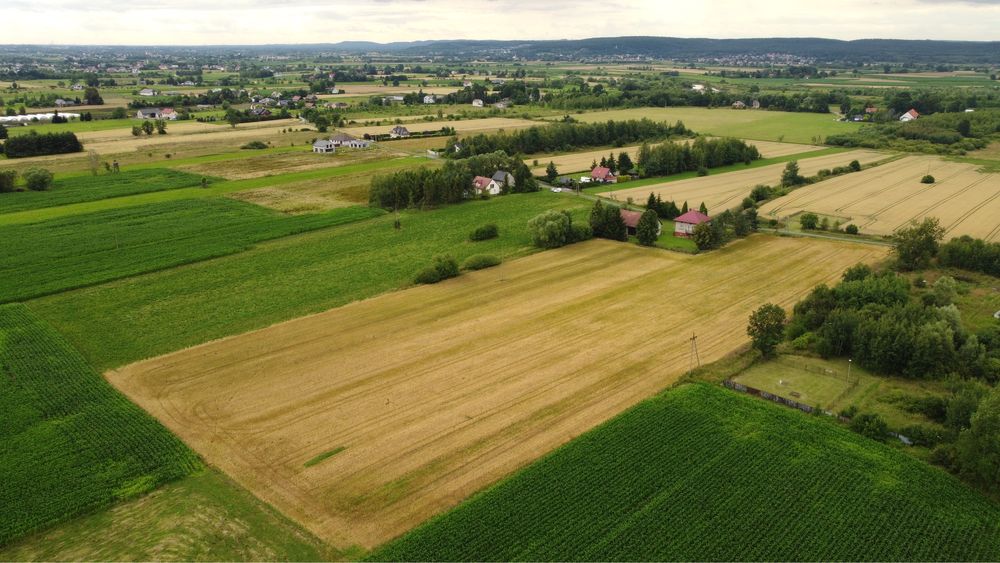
(437, 391)
(882, 199)
(725, 191)
(581, 161)
(484, 125)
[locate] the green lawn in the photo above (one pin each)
(139, 317)
(700, 473)
(203, 517)
(77, 126)
(788, 127)
(815, 381)
(79, 188)
(217, 188)
(80, 250)
(69, 443)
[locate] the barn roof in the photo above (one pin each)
(693, 217)
(601, 172)
(631, 218)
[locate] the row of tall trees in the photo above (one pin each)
(451, 183)
(702, 153)
(568, 136)
(35, 144)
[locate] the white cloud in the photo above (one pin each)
(190, 22)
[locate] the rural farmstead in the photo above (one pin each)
(398, 296)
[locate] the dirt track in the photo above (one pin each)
(438, 391)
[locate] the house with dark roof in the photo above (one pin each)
(149, 113)
(603, 174)
(398, 132)
(324, 146)
(631, 219)
(685, 224)
(341, 139)
(502, 177)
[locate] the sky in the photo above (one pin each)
(197, 22)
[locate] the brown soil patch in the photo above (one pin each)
(438, 391)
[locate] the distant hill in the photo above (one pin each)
(862, 50)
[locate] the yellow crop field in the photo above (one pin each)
(362, 421)
(580, 161)
(882, 199)
(461, 126)
(726, 191)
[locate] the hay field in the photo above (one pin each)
(364, 420)
(269, 164)
(372, 89)
(883, 199)
(580, 161)
(727, 190)
(484, 125)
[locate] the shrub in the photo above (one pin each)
(485, 232)
(37, 179)
(444, 267)
(580, 232)
(255, 145)
(927, 179)
(480, 261)
(851, 229)
(760, 192)
(809, 221)
(551, 229)
(702, 171)
(7, 179)
(427, 275)
(871, 425)
(855, 165)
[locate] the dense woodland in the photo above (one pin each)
(34, 144)
(939, 133)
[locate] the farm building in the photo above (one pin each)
(685, 224)
(399, 132)
(324, 146)
(631, 219)
(149, 113)
(501, 177)
(909, 116)
(477, 103)
(603, 174)
(149, 92)
(482, 185)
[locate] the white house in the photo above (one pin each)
(398, 132)
(502, 176)
(324, 146)
(482, 185)
(477, 103)
(168, 113)
(358, 144)
(149, 92)
(149, 113)
(430, 99)
(341, 139)
(685, 224)
(909, 116)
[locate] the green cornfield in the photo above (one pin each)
(69, 442)
(702, 473)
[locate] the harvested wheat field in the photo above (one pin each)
(365, 420)
(727, 190)
(484, 125)
(882, 199)
(580, 161)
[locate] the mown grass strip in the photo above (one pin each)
(324, 456)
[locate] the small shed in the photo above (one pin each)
(631, 219)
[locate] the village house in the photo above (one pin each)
(324, 146)
(603, 175)
(482, 185)
(260, 112)
(685, 224)
(358, 144)
(338, 105)
(148, 92)
(909, 116)
(341, 139)
(399, 132)
(467, 84)
(77, 87)
(502, 177)
(631, 219)
(61, 103)
(168, 113)
(430, 99)
(755, 104)
(149, 113)
(477, 103)
(739, 104)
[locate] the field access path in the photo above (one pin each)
(365, 420)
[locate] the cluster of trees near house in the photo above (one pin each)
(452, 183)
(701, 154)
(35, 144)
(567, 136)
(940, 133)
(668, 91)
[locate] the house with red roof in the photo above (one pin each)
(603, 174)
(909, 116)
(484, 185)
(685, 224)
(631, 219)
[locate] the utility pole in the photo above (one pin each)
(693, 357)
